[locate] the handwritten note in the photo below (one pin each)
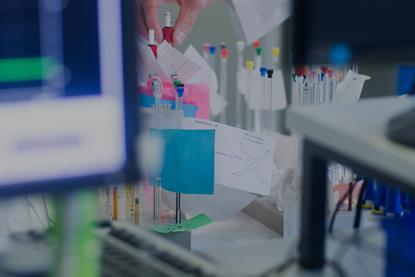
(243, 160)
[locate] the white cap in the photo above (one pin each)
(167, 19)
(151, 40)
(240, 45)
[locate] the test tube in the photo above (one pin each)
(314, 86)
(205, 51)
(260, 107)
(300, 72)
(212, 51)
(295, 89)
(306, 90)
(256, 45)
(332, 84)
(276, 57)
(157, 92)
(152, 42)
(258, 57)
(271, 120)
(249, 67)
(325, 84)
(179, 97)
(240, 46)
(224, 54)
(179, 106)
(168, 28)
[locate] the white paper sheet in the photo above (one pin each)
(253, 19)
(350, 89)
(243, 159)
(206, 76)
(148, 65)
(225, 203)
(174, 62)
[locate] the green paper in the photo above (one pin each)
(188, 225)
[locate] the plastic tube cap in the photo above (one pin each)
(224, 53)
(276, 52)
(249, 65)
(212, 50)
(262, 71)
(180, 90)
(300, 71)
(258, 51)
(177, 83)
(256, 44)
(270, 72)
(151, 36)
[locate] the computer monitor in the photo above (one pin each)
(67, 94)
(356, 30)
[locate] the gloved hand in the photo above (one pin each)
(148, 11)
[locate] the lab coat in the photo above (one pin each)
(252, 19)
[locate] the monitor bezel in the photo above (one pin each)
(130, 171)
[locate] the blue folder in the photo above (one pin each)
(189, 161)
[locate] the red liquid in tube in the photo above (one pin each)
(168, 29)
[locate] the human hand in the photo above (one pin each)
(148, 11)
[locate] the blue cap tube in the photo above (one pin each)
(212, 50)
(393, 201)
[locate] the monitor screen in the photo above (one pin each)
(66, 92)
(358, 30)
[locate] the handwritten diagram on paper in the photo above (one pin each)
(243, 160)
(252, 164)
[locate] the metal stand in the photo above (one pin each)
(178, 209)
(156, 200)
(313, 208)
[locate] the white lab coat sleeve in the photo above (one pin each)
(252, 19)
